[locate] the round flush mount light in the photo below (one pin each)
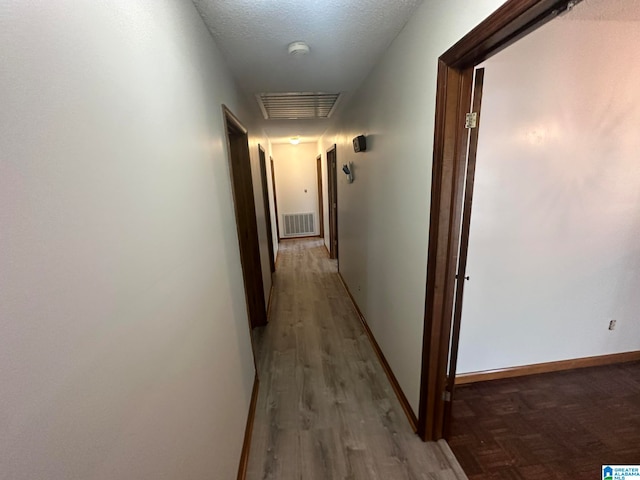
(298, 49)
(294, 140)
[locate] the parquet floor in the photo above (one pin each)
(557, 425)
(325, 408)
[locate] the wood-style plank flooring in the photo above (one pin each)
(556, 425)
(325, 408)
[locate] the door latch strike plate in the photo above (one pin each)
(446, 396)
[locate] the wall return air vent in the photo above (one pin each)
(299, 105)
(297, 224)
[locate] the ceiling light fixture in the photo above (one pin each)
(298, 49)
(294, 140)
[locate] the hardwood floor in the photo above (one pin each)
(556, 425)
(325, 407)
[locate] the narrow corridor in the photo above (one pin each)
(325, 408)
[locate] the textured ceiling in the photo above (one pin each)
(346, 39)
(606, 10)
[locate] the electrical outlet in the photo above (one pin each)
(612, 324)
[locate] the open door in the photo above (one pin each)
(332, 183)
(246, 223)
(320, 199)
(267, 206)
(275, 197)
(461, 275)
(509, 23)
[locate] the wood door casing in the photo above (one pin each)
(509, 23)
(461, 277)
(332, 184)
(246, 223)
(267, 207)
(320, 197)
(275, 196)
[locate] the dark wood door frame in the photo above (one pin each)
(275, 197)
(267, 206)
(461, 276)
(332, 184)
(511, 22)
(246, 223)
(320, 198)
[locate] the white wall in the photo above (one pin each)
(124, 348)
(384, 215)
(296, 179)
(554, 251)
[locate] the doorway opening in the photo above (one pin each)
(267, 206)
(332, 184)
(275, 197)
(246, 223)
(508, 24)
(320, 199)
(545, 269)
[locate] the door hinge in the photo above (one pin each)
(471, 120)
(446, 396)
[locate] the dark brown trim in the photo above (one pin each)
(509, 23)
(404, 403)
(275, 197)
(506, 25)
(454, 89)
(232, 122)
(267, 206)
(320, 195)
(547, 367)
(248, 431)
(332, 188)
(460, 277)
(244, 206)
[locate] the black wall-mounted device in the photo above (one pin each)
(360, 144)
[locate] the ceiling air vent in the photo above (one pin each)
(293, 106)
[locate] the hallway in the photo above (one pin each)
(136, 133)
(325, 407)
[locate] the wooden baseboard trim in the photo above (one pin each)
(246, 446)
(411, 416)
(548, 367)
